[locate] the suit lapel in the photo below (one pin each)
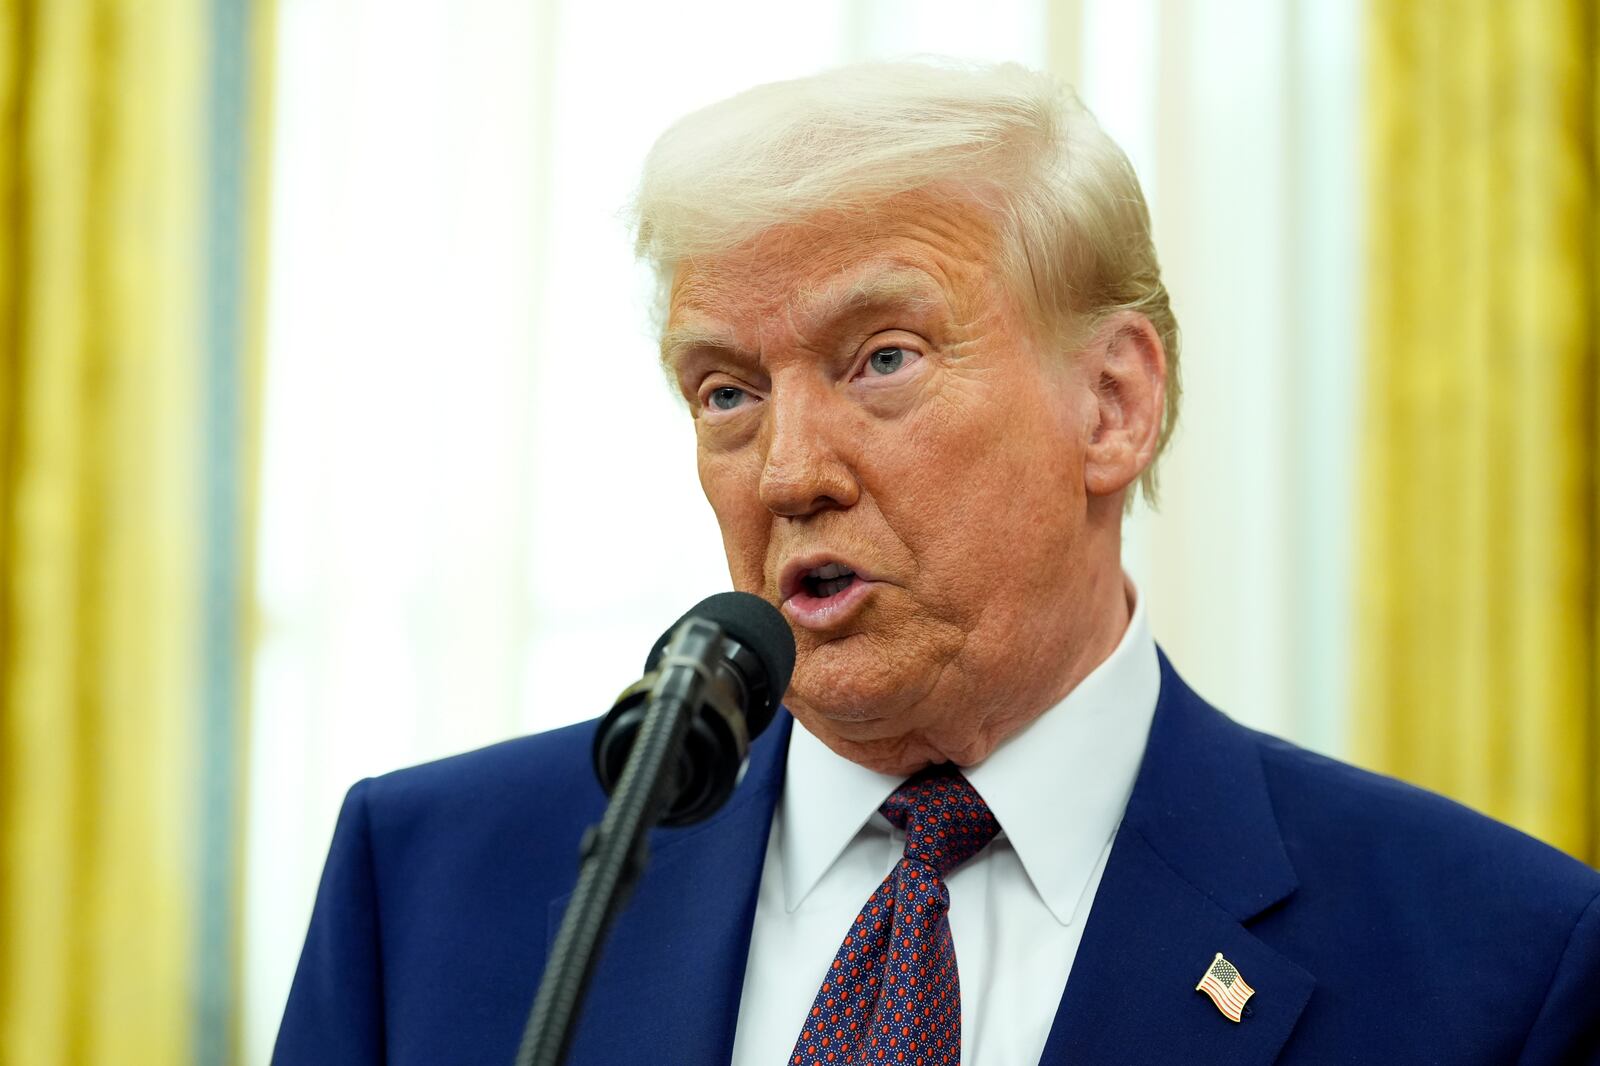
(667, 985)
(1150, 937)
(1197, 857)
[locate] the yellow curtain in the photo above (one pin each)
(1479, 617)
(105, 335)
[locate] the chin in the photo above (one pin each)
(849, 680)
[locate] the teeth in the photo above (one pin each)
(832, 586)
(831, 571)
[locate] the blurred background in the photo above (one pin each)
(331, 439)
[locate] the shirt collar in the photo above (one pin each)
(826, 800)
(1058, 787)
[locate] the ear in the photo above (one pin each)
(1128, 364)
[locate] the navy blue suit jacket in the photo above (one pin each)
(1378, 924)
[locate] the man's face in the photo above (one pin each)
(895, 457)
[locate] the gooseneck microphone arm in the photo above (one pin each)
(614, 852)
(669, 752)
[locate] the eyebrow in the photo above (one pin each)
(678, 341)
(905, 288)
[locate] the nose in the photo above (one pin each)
(804, 470)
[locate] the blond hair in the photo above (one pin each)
(1072, 218)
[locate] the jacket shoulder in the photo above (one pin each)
(1384, 828)
(531, 792)
(447, 868)
(554, 762)
(1486, 935)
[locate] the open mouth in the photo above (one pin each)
(820, 593)
(827, 581)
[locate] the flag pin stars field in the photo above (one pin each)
(1226, 987)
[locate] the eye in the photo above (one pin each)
(726, 398)
(885, 361)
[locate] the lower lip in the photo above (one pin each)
(818, 612)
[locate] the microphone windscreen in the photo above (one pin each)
(751, 621)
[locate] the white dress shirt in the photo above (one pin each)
(1058, 789)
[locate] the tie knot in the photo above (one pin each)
(945, 821)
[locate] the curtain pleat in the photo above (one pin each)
(1478, 599)
(238, 91)
(104, 528)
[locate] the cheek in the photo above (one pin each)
(730, 485)
(983, 485)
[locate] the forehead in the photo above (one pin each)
(923, 252)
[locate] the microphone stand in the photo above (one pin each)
(615, 852)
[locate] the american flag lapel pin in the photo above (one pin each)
(1227, 989)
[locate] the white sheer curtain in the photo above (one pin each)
(1241, 119)
(478, 497)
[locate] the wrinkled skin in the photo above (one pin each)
(974, 471)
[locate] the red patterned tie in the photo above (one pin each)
(892, 994)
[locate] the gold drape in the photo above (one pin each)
(1479, 626)
(104, 298)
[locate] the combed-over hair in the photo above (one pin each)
(1067, 204)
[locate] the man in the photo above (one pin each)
(918, 319)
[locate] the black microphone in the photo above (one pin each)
(729, 658)
(669, 751)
